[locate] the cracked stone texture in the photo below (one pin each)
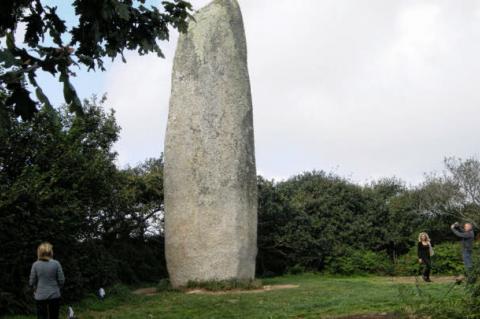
(210, 175)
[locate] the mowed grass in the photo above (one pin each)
(317, 296)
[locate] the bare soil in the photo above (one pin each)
(241, 291)
(152, 291)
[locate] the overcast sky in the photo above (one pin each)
(366, 89)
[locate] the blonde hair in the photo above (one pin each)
(45, 251)
(421, 234)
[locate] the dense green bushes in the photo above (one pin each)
(446, 261)
(59, 183)
(357, 262)
(310, 218)
(321, 222)
(316, 219)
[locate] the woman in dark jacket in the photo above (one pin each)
(424, 252)
(46, 278)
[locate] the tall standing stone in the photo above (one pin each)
(210, 175)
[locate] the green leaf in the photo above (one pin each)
(38, 90)
(122, 10)
(20, 99)
(10, 41)
(42, 97)
(70, 95)
(7, 59)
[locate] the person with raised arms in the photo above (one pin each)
(467, 235)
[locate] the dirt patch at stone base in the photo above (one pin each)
(241, 291)
(152, 291)
(146, 291)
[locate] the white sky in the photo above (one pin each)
(367, 89)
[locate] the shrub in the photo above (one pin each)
(140, 260)
(354, 261)
(446, 261)
(119, 291)
(296, 269)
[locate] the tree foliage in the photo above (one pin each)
(455, 194)
(320, 221)
(59, 183)
(105, 28)
(313, 219)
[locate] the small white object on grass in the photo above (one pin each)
(101, 293)
(70, 313)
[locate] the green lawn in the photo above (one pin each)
(317, 296)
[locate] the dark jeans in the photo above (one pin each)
(48, 309)
(468, 263)
(425, 268)
(467, 260)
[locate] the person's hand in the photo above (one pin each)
(453, 226)
(420, 260)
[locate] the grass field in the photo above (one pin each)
(316, 296)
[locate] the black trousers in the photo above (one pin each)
(426, 267)
(48, 309)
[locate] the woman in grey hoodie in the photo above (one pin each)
(46, 278)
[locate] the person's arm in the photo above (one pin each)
(60, 275)
(468, 234)
(33, 277)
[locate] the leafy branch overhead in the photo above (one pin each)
(105, 28)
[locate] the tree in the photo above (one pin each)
(106, 28)
(273, 213)
(394, 214)
(455, 193)
(59, 182)
(138, 209)
(464, 174)
(309, 219)
(57, 174)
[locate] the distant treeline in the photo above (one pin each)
(59, 183)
